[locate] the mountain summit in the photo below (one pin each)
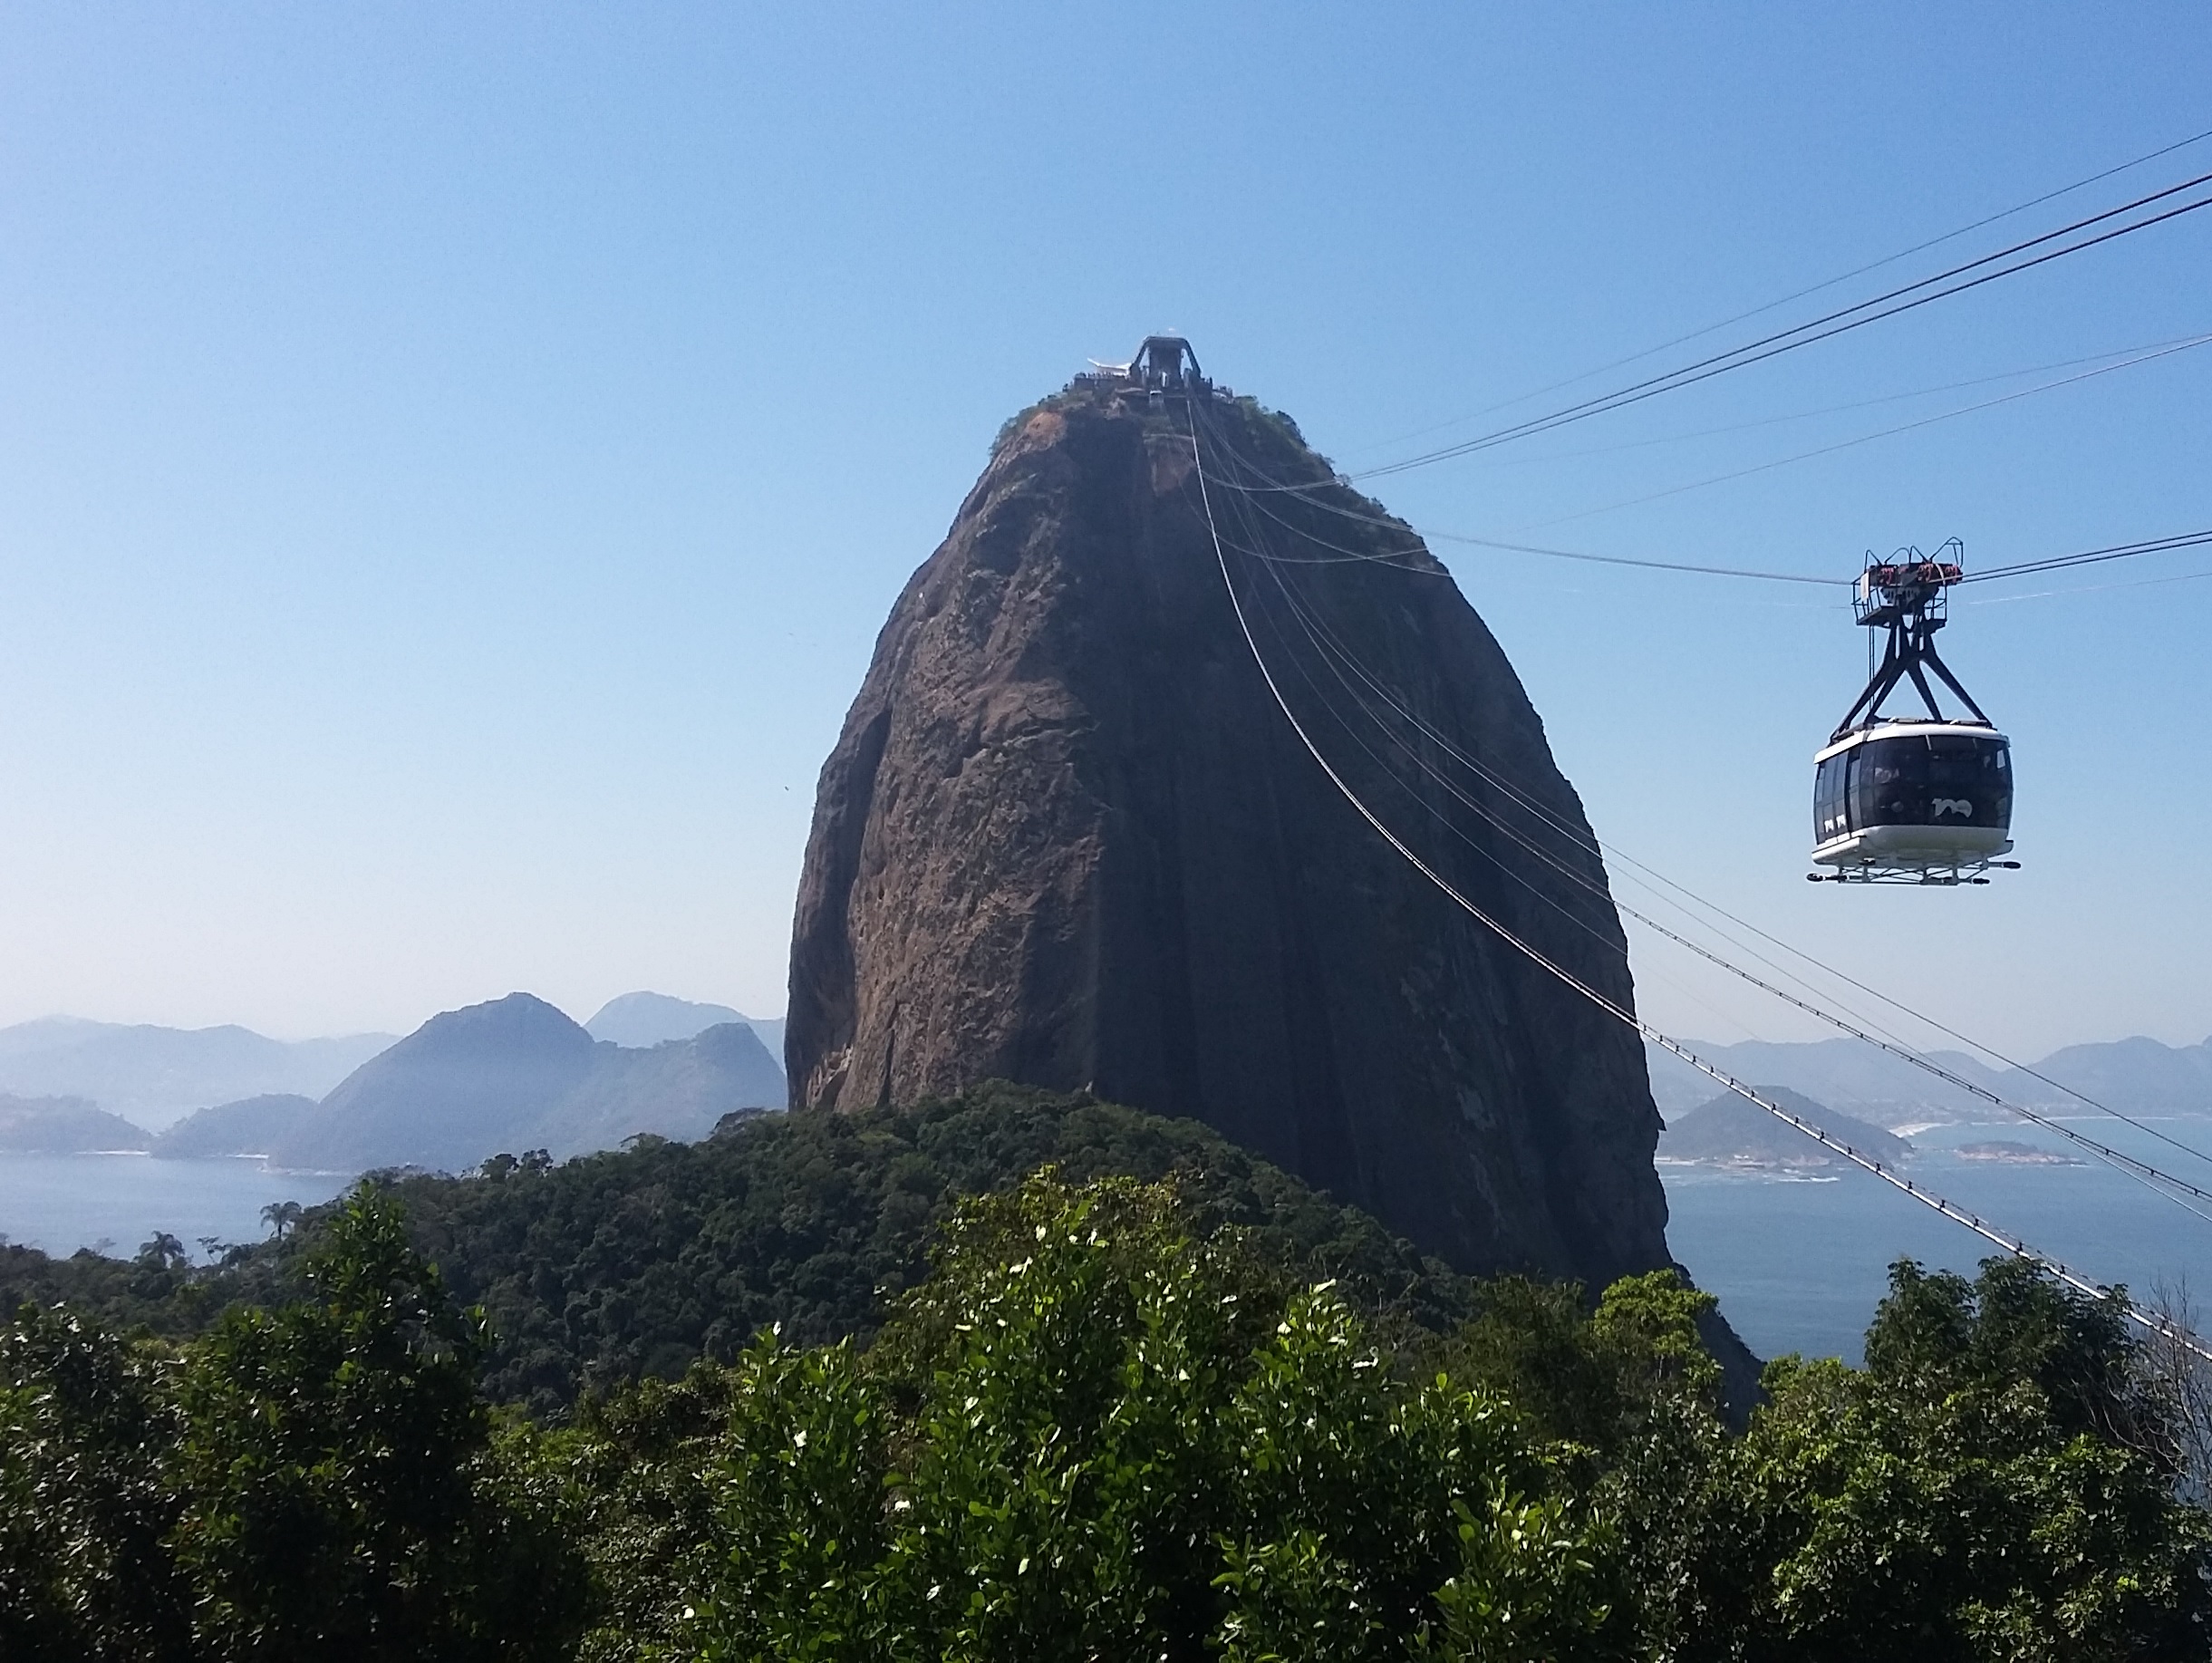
(516, 1074)
(1067, 837)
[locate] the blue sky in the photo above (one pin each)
(454, 461)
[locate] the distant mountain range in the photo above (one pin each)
(642, 1019)
(153, 1076)
(516, 1074)
(2137, 1077)
(509, 1076)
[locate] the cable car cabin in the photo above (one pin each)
(1907, 799)
(1912, 801)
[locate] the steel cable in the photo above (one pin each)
(1857, 271)
(2142, 1171)
(1591, 843)
(1893, 304)
(2011, 1244)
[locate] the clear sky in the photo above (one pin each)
(454, 460)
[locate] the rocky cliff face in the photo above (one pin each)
(1068, 839)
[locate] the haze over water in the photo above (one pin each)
(113, 1203)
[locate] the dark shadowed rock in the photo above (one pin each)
(1068, 838)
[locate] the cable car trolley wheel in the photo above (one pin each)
(1911, 799)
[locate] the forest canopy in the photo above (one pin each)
(637, 1262)
(1106, 1423)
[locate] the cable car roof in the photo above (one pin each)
(1907, 729)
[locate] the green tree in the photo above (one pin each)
(86, 1437)
(1115, 1420)
(1589, 1377)
(1994, 1485)
(336, 1461)
(803, 1525)
(1091, 1435)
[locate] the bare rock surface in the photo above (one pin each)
(1068, 838)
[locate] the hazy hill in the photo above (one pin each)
(516, 1074)
(63, 1125)
(2139, 1075)
(642, 1019)
(771, 1031)
(645, 1020)
(680, 1088)
(2135, 1076)
(155, 1075)
(459, 1088)
(1727, 1130)
(253, 1125)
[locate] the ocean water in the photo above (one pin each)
(113, 1203)
(1798, 1265)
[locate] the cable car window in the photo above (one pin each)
(1828, 798)
(1932, 779)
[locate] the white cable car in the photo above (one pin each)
(1911, 799)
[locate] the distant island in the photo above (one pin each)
(152, 1077)
(1731, 1133)
(2017, 1154)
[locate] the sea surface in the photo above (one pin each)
(114, 1202)
(1799, 1265)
